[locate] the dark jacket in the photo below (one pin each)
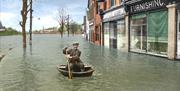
(75, 53)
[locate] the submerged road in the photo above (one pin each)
(34, 68)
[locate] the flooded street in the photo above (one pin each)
(34, 69)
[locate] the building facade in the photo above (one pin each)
(142, 26)
(152, 27)
(114, 25)
(94, 29)
(90, 20)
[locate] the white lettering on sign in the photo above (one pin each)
(147, 5)
(118, 12)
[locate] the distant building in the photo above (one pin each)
(1, 27)
(52, 30)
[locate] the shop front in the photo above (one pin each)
(113, 25)
(149, 32)
(149, 27)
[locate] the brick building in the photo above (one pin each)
(95, 17)
(143, 26)
(93, 22)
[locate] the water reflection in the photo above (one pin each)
(34, 68)
(30, 47)
(28, 80)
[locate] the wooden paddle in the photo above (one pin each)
(69, 71)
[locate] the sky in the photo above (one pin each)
(45, 12)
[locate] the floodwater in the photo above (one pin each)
(34, 68)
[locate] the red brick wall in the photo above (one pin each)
(108, 4)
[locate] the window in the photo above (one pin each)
(121, 37)
(121, 2)
(138, 33)
(105, 4)
(106, 34)
(157, 32)
(106, 28)
(149, 33)
(113, 2)
(97, 7)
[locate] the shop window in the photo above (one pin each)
(106, 28)
(106, 34)
(113, 2)
(138, 33)
(158, 32)
(121, 36)
(149, 33)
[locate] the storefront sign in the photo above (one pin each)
(148, 5)
(115, 13)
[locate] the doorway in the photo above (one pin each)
(113, 35)
(138, 35)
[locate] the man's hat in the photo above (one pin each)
(75, 44)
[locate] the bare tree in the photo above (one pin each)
(22, 23)
(24, 12)
(62, 20)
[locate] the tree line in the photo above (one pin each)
(66, 23)
(9, 31)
